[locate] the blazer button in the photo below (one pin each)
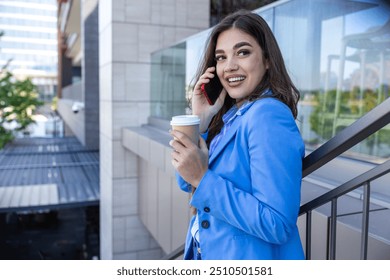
(206, 209)
(205, 224)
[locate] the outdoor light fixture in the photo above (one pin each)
(77, 106)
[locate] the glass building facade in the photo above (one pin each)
(336, 51)
(29, 43)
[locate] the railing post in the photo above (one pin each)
(308, 235)
(365, 220)
(333, 223)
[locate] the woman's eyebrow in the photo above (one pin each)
(241, 44)
(236, 46)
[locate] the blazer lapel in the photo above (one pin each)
(230, 133)
(226, 138)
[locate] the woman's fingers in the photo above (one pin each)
(180, 138)
(205, 78)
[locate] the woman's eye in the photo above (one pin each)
(243, 52)
(219, 58)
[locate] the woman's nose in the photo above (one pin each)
(231, 65)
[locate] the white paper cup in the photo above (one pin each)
(187, 124)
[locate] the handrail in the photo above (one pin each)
(351, 185)
(344, 140)
(174, 254)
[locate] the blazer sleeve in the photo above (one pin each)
(183, 185)
(276, 149)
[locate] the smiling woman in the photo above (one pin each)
(245, 176)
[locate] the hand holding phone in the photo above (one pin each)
(212, 90)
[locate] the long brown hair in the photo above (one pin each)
(276, 77)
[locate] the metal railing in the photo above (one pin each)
(332, 196)
(344, 140)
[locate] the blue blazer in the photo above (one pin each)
(248, 200)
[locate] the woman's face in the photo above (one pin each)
(240, 63)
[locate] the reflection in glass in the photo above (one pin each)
(168, 82)
(337, 53)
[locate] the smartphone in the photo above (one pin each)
(212, 90)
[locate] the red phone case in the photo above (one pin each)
(205, 94)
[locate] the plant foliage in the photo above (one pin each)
(18, 101)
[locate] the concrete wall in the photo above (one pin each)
(90, 70)
(163, 207)
(73, 123)
(85, 124)
(73, 92)
(129, 31)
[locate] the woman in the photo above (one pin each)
(247, 172)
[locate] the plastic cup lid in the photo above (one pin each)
(185, 120)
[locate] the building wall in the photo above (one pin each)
(90, 70)
(75, 123)
(85, 124)
(129, 31)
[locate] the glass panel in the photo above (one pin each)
(194, 53)
(337, 53)
(168, 82)
(268, 16)
(173, 70)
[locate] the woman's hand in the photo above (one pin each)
(188, 159)
(200, 106)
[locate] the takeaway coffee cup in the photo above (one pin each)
(187, 124)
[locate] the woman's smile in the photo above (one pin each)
(235, 79)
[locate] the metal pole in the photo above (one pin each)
(308, 235)
(365, 220)
(332, 254)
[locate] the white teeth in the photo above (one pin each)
(236, 79)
